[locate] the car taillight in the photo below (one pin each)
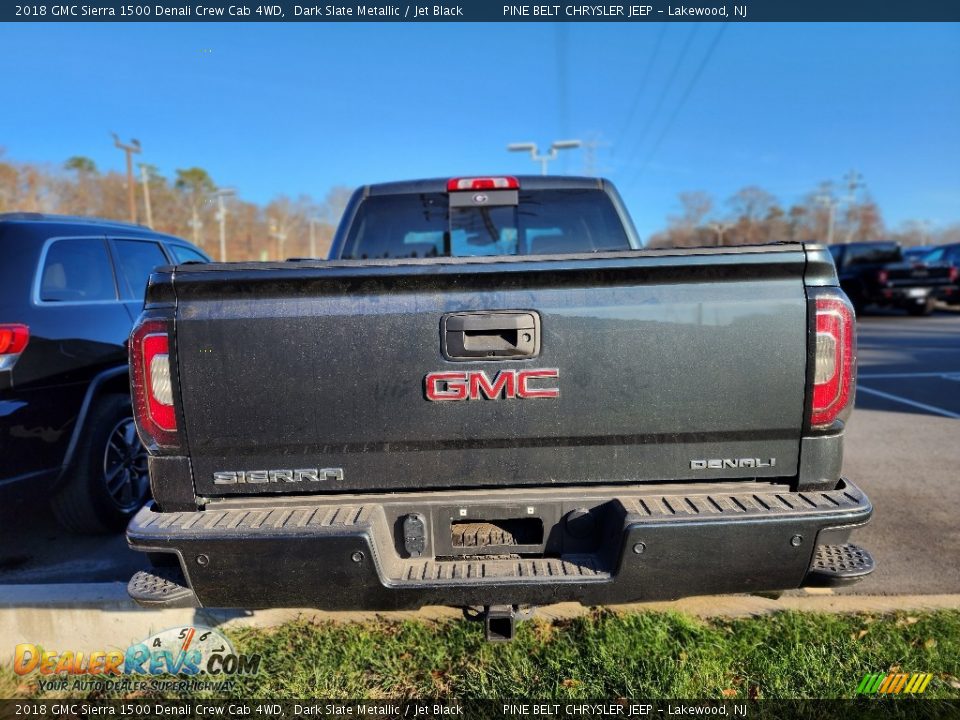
(954, 273)
(13, 340)
(152, 384)
(882, 277)
(834, 360)
(483, 183)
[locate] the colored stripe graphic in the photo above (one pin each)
(893, 683)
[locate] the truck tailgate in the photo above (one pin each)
(665, 361)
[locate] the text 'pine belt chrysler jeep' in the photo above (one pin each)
(493, 397)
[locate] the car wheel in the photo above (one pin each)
(108, 482)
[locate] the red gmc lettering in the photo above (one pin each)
(527, 375)
(455, 383)
(475, 385)
(504, 380)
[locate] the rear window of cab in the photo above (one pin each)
(544, 222)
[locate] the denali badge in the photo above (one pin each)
(475, 385)
(721, 463)
(277, 476)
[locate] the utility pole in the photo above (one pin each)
(827, 200)
(590, 165)
(854, 183)
(720, 228)
(313, 236)
(221, 218)
(277, 231)
(129, 150)
(544, 159)
(195, 225)
(145, 179)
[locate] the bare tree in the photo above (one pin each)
(81, 194)
(334, 204)
(196, 184)
(9, 183)
(749, 206)
(864, 221)
(684, 229)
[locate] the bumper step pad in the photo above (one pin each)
(570, 568)
(837, 565)
(161, 587)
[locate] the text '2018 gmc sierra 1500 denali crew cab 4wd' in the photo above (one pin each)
(492, 396)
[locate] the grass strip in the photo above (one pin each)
(603, 654)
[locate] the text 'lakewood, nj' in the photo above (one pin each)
(622, 11)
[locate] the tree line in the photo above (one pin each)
(184, 205)
(181, 205)
(753, 215)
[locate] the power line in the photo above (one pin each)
(562, 76)
(683, 99)
(663, 93)
(642, 85)
(562, 81)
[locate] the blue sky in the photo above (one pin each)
(298, 108)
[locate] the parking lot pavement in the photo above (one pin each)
(35, 550)
(910, 364)
(903, 448)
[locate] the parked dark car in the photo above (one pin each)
(876, 273)
(70, 289)
(947, 254)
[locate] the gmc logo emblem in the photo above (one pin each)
(475, 385)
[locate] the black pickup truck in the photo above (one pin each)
(492, 397)
(877, 273)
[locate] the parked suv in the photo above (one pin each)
(70, 289)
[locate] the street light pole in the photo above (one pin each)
(220, 194)
(544, 159)
(720, 228)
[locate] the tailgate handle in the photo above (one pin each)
(504, 335)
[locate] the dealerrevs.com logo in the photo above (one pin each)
(187, 652)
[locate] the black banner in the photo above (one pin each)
(865, 708)
(484, 11)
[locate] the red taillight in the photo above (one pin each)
(13, 340)
(954, 273)
(882, 277)
(834, 360)
(152, 383)
(483, 183)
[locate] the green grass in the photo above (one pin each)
(601, 655)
